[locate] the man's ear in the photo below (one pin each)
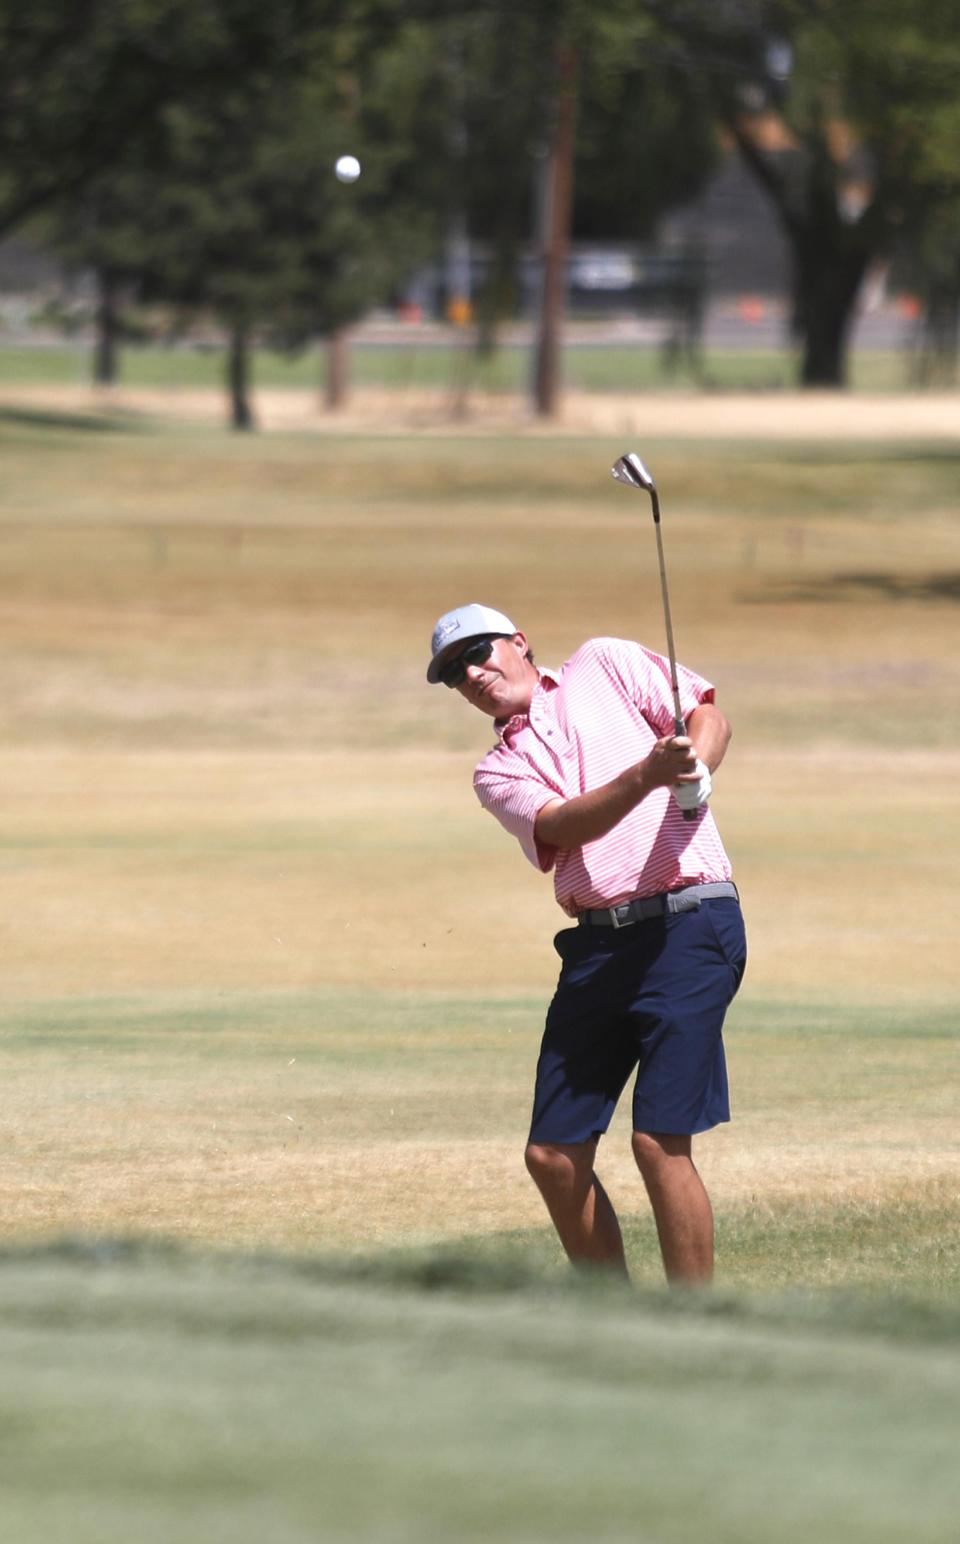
(519, 641)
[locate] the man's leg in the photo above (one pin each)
(681, 1206)
(577, 1202)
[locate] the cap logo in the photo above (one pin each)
(443, 631)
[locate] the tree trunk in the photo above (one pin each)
(556, 235)
(338, 369)
(107, 330)
(832, 249)
(936, 363)
(493, 302)
(238, 376)
(827, 283)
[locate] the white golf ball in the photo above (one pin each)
(347, 168)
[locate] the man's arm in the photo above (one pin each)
(710, 732)
(567, 823)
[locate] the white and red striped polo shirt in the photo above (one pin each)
(602, 713)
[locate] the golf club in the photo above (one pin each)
(629, 469)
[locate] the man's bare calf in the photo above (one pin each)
(579, 1206)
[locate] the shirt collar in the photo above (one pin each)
(548, 682)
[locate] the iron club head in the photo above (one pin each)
(631, 470)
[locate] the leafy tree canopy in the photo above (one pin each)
(82, 80)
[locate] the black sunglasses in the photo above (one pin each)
(475, 653)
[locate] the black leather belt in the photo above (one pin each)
(643, 907)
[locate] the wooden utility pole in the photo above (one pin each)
(238, 375)
(555, 235)
(338, 369)
(108, 330)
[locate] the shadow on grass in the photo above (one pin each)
(83, 423)
(843, 588)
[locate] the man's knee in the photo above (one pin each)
(654, 1149)
(558, 1167)
(543, 1162)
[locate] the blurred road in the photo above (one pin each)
(747, 321)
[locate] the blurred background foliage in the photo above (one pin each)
(181, 151)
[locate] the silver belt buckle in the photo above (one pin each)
(622, 910)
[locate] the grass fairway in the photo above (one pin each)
(449, 363)
(235, 820)
(349, 1119)
(273, 988)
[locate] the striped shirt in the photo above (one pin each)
(601, 713)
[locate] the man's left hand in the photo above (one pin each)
(693, 795)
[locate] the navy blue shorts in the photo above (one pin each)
(651, 996)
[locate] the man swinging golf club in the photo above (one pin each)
(597, 770)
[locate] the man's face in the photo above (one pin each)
(502, 684)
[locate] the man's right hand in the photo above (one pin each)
(568, 823)
(673, 760)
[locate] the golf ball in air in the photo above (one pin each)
(347, 168)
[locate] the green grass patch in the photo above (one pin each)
(357, 1016)
(416, 364)
(876, 1252)
(157, 1396)
(350, 1019)
(891, 1267)
(853, 1022)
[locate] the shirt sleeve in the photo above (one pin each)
(515, 796)
(646, 678)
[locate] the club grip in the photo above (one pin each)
(679, 727)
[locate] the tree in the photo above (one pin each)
(552, 118)
(643, 143)
(866, 93)
(243, 216)
(930, 263)
(99, 228)
(258, 229)
(82, 79)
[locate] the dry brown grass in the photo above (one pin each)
(261, 872)
(229, 799)
(198, 880)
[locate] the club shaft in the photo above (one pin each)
(631, 470)
(679, 724)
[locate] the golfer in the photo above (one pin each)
(589, 776)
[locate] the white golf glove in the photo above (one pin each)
(690, 796)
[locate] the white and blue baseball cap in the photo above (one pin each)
(457, 626)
